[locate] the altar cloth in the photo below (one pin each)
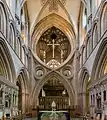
(53, 115)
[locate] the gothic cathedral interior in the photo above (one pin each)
(53, 59)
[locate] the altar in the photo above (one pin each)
(53, 115)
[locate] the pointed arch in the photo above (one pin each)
(103, 17)
(81, 77)
(65, 82)
(85, 2)
(48, 22)
(23, 84)
(83, 91)
(66, 14)
(101, 56)
(3, 19)
(24, 73)
(8, 62)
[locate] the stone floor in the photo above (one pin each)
(30, 119)
(36, 119)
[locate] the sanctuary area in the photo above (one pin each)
(53, 59)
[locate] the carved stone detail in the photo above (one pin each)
(53, 4)
(67, 72)
(39, 72)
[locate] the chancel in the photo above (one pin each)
(54, 115)
(52, 94)
(53, 59)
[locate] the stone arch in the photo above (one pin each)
(7, 61)
(101, 16)
(65, 82)
(82, 75)
(94, 34)
(4, 17)
(48, 22)
(99, 60)
(22, 83)
(83, 90)
(25, 75)
(65, 14)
